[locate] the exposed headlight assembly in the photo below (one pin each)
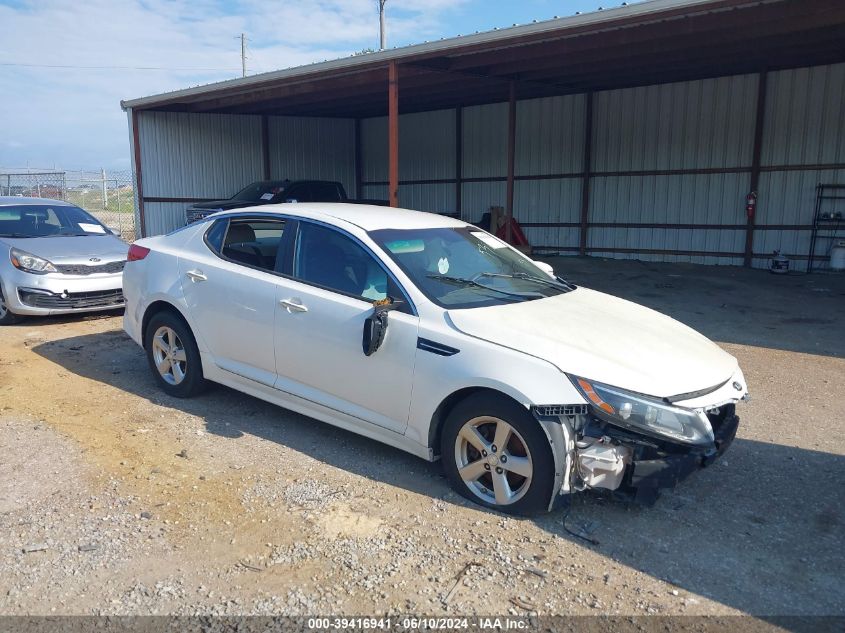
(642, 413)
(30, 263)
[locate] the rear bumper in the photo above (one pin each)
(649, 476)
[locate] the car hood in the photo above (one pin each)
(606, 339)
(71, 249)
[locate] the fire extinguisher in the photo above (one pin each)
(750, 204)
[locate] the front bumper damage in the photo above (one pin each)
(654, 469)
(633, 466)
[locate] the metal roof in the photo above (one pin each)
(647, 42)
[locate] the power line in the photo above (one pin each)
(112, 67)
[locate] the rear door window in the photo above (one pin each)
(252, 242)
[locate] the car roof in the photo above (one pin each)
(365, 216)
(10, 200)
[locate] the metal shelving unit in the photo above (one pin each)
(828, 219)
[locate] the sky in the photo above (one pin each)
(65, 66)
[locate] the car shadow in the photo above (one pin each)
(759, 531)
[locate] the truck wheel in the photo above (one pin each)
(497, 455)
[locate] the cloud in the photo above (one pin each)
(71, 116)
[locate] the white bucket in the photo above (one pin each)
(837, 255)
(778, 264)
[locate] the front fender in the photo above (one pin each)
(479, 364)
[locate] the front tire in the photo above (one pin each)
(7, 317)
(497, 455)
(173, 356)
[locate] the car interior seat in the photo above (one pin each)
(240, 245)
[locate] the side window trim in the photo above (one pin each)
(412, 308)
(284, 257)
(208, 231)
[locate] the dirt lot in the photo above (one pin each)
(115, 499)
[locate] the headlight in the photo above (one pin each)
(642, 413)
(30, 263)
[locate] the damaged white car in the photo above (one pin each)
(433, 336)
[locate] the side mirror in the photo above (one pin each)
(375, 326)
(546, 268)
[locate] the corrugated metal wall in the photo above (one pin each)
(804, 126)
(163, 217)
(549, 142)
(198, 155)
(313, 148)
(673, 154)
(426, 152)
(195, 156)
(689, 126)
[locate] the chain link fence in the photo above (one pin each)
(108, 196)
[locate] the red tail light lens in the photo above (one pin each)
(137, 253)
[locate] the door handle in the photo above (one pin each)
(293, 305)
(196, 275)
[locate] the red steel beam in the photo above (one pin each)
(393, 133)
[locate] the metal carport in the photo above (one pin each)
(632, 132)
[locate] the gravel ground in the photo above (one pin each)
(115, 499)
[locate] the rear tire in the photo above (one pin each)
(497, 455)
(173, 356)
(7, 317)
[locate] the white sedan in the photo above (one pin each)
(433, 336)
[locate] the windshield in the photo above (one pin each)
(44, 220)
(466, 267)
(265, 190)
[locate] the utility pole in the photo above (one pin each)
(243, 55)
(381, 25)
(104, 188)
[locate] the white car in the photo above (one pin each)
(433, 336)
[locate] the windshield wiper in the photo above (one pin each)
(556, 283)
(16, 235)
(461, 281)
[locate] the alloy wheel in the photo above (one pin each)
(493, 460)
(3, 309)
(169, 355)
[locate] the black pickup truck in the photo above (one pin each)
(274, 192)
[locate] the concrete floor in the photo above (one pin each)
(795, 312)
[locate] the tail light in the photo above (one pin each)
(137, 253)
